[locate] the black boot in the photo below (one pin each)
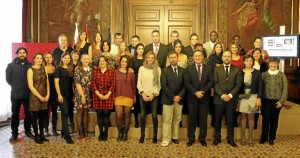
(120, 135)
(142, 139)
(101, 134)
(38, 140)
(125, 134)
(154, 139)
(105, 136)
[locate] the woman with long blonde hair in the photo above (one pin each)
(149, 87)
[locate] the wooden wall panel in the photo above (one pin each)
(185, 31)
(144, 31)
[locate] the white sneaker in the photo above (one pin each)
(164, 143)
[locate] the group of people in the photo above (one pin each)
(105, 77)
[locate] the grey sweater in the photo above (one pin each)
(275, 86)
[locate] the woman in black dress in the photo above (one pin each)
(52, 103)
(83, 46)
(136, 64)
(63, 85)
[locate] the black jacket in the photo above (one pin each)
(16, 77)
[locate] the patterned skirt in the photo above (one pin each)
(248, 105)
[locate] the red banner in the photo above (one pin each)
(32, 48)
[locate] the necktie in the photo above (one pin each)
(199, 72)
(156, 49)
(175, 71)
(226, 71)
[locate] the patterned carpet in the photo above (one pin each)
(285, 146)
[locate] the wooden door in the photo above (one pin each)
(144, 18)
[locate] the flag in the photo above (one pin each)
(76, 33)
(87, 32)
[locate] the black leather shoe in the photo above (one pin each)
(100, 138)
(69, 139)
(232, 143)
(190, 142)
(271, 142)
(29, 135)
(262, 141)
(43, 138)
(216, 142)
(13, 138)
(38, 140)
(175, 141)
(54, 132)
(142, 139)
(203, 143)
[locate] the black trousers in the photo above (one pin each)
(15, 109)
(65, 115)
(270, 119)
(53, 105)
(198, 112)
(229, 108)
(38, 121)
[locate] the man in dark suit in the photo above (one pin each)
(228, 81)
(135, 39)
(189, 50)
(158, 48)
(174, 36)
(198, 80)
(173, 90)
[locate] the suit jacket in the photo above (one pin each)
(224, 85)
(193, 84)
(161, 55)
(170, 47)
(188, 50)
(172, 85)
(129, 49)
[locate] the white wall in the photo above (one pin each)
(11, 31)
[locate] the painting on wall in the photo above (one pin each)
(252, 18)
(63, 14)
